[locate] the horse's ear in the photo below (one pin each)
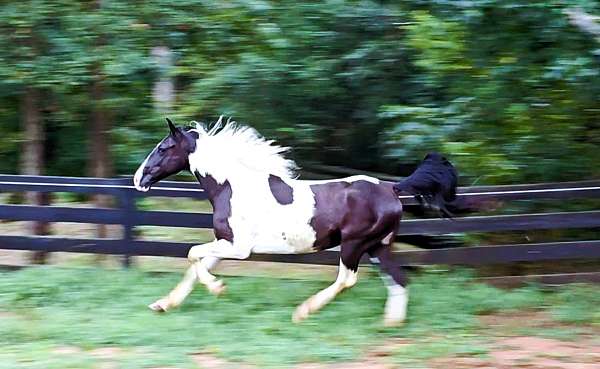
(172, 128)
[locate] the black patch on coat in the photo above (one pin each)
(325, 221)
(357, 216)
(219, 196)
(282, 192)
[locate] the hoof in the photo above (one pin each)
(217, 287)
(390, 322)
(160, 306)
(301, 313)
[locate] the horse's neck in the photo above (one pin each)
(212, 188)
(250, 186)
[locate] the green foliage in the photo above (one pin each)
(507, 88)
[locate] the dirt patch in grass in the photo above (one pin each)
(513, 350)
(362, 364)
(379, 357)
(67, 350)
(107, 352)
(530, 353)
(511, 323)
(8, 315)
(373, 359)
(507, 324)
(210, 361)
(508, 352)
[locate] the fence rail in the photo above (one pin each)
(127, 215)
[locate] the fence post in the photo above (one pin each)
(128, 208)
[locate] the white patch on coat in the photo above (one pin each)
(239, 155)
(259, 220)
(139, 173)
(350, 179)
(242, 157)
(387, 240)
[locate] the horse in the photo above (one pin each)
(260, 206)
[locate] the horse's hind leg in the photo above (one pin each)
(396, 282)
(347, 277)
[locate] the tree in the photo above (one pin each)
(497, 85)
(26, 56)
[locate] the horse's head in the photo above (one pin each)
(169, 157)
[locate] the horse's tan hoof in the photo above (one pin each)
(390, 322)
(217, 287)
(301, 313)
(160, 306)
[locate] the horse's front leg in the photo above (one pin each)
(201, 255)
(203, 258)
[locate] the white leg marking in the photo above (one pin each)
(388, 239)
(202, 269)
(346, 278)
(221, 249)
(205, 257)
(178, 294)
(395, 306)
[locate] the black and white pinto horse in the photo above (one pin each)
(259, 206)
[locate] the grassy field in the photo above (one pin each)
(53, 317)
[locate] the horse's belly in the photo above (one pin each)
(272, 228)
(285, 242)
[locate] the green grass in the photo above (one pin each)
(44, 309)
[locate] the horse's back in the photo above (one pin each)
(296, 216)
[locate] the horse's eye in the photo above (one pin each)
(161, 150)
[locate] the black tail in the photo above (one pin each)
(433, 184)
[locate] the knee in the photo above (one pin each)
(194, 254)
(209, 262)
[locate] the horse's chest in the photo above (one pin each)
(269, 227)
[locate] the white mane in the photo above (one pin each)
(233, 150)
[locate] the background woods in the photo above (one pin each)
(509, 89)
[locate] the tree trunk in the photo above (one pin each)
(99, 161)
(32, 159)
(163, 92)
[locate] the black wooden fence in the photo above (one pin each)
(127, 215)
